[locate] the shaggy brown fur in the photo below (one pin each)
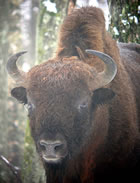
(103, 137)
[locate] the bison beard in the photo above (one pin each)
(85, 122)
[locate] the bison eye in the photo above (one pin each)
(82, 106)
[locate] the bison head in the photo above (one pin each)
(62, 96)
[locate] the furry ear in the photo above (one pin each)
(102, 96)
(20, 94)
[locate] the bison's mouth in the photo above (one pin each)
(52, 159)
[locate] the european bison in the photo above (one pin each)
(84, 105)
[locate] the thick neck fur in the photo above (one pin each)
(73, 170)
(85, 29)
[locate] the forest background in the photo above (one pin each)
(33, 25)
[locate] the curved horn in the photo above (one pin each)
(13, 71)
(105, 77)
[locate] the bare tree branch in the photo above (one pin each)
(15, 170)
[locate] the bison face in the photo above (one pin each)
(61, 108)
(62, 97)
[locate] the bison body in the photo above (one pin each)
(85, 122)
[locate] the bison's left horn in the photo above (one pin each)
(105, 77)
(13, 71)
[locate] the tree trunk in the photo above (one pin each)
(11, 117)
(125, 20)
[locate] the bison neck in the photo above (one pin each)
(76, 170)
(61, 174)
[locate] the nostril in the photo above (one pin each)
(51, 145)
(43, 143)
(58, 147)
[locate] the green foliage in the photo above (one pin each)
(125, 20)
(48, 26)
(11, 137)
(32, 171)
(28, 151)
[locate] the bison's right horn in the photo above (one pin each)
(13, 71)
(105, 77)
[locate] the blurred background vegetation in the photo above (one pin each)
(33, 25)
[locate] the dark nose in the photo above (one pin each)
(52, 147)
